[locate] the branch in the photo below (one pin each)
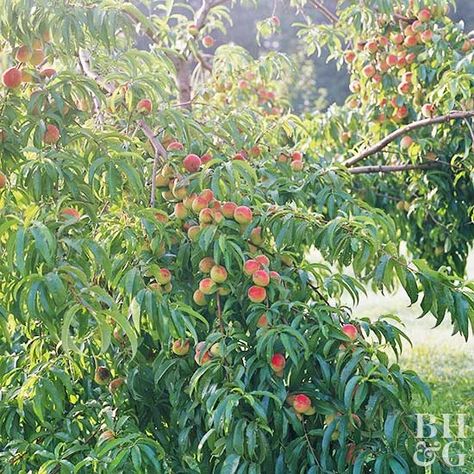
(394, 168)
(206, 6)
(324, 10)
(454, 115)
(160, 156)
(84, 58)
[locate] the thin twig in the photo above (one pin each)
(395, 168)
(454, 115)
(324, 10)
(219, 312)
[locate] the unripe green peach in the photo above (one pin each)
(256, 236)
(164, 276)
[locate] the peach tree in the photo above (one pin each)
(158, 309)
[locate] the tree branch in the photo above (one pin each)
(324, 10)
(206, 6)
(160, 156)
(454, 115)
(395, 168)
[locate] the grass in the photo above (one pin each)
(443, 360)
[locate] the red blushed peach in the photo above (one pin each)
(354, 87)
(206, 264)
(23, 54)
(192, 163)
(255, 151)
(424, 15)
(410, 58)
(397, 38)
(206, 158)
(175, 146)
(243, 215)
(207, 195)
(262, 321)
(207, 286)
(301, 403)
(428, 110)
(51, 135)
(70, 213)
(228, 209)
(296, 156)
(392, 60)
(261, 278)
(404, 88)
(144, 106)
(208, 41)
(205, 216)
(164, 276)
(350, 453)
(406, 142)
(180, 211)
(243, 84)
(263, 260)
(193, 233)
(180, 347)
(199, 298)
(239, 156)
(218, 274)
(277, 362)
(256, 236)
(37, 57)
(350, 57)
(350, 331)
(251, 266)
(115, 384)
(256, 294)
(275, 276)
(48, 72)
(297, 165)
(199, 203)
(372, 46)
(368, 71)
(200, 356)
(410, 41)
(162, 181)
(188, 201)
(11, 78)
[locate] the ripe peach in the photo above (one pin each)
(208, 41)
(256, 236)
(144, 106)
(256, 294)
(239, 156)
(193, 232)
(428, 110)
(297, 165)
(426, 36)
(180, 347)
(277, 362)
(424, 15)
(255, 151)
(296, 156)
(350, 56)
(207, 286)
(243, 215)
(188, 201)
(301, 403)
(243, 84)
(406, 142)
(207, 195)
(350, 331)
(51, 135)
(218, 274)
(275, 276)
(397, 38)
(206, 158)
(206, 264)
(199, 203)
(23, 54)
(48, 72)
(262, 321)
(377, 79)
(383, 41)
(392, 60)
(261, 278)
(201, 357)
(372, 46)
(404, 88)
(192, 163)
(466, 46)
(368, 71)
(11, 78)
(3, 180)
(205, 216)
(164, 276)
(410, 41)
(251, 266)
(115, 384)
(410, 58)
(199, 298)
(37, 57)
(70, 213)
(354, 87)
(175, 146)
(263, 260)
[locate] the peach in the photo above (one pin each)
(180, 211)
(256, 294)
(205, 216)
(383, 41)
(201, 357)
(192, 163)
(410, 58)
(164, 276)
(424, 15)
(255, 151)
(102, 375)
(239, 156)
(144, 106)
(426, 36)
(162, 181)
(23, 54)
(207, 195)
(51, 135)
(372, 46)
(275, 21)
(180, 347)
(261, 278)
(48, 72)
(193, 232)
(392, 60)
(70, 213)
(350, 331)
(188, 201)
(37, 57)
(175, 146)
(251, 266)
(223, 291)
(208, 41)
(243, 215)
(406, 142)
(428, 110)
(243, 84)
(115, 384)
(297, 165)
(199, 298)
(161, 216)
(206, 158)
(3, 180)
(256, 236)
(218, 274)
(262, 321)
(207, 286)
(217, 216)
(206, 264)
(277, 362)
(301, 403)
(350, 56)
(404, 88)
(410, 41)
(11, 78)
(193, 30)
(275, 276)
(368, 71)
(199, 203)
(296, 156)
(263, 260)
(354, 87)
(105, 436)
(397, 38)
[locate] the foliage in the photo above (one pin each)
(122, 171)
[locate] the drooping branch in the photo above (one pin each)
(395, 168)
(454, 115)
(324, 10)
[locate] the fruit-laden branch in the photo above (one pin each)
(394, 168)
(324, 10)
(455, 115)
(84, 62)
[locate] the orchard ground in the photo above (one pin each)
(443, 360)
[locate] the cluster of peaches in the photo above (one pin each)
(394, 52)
